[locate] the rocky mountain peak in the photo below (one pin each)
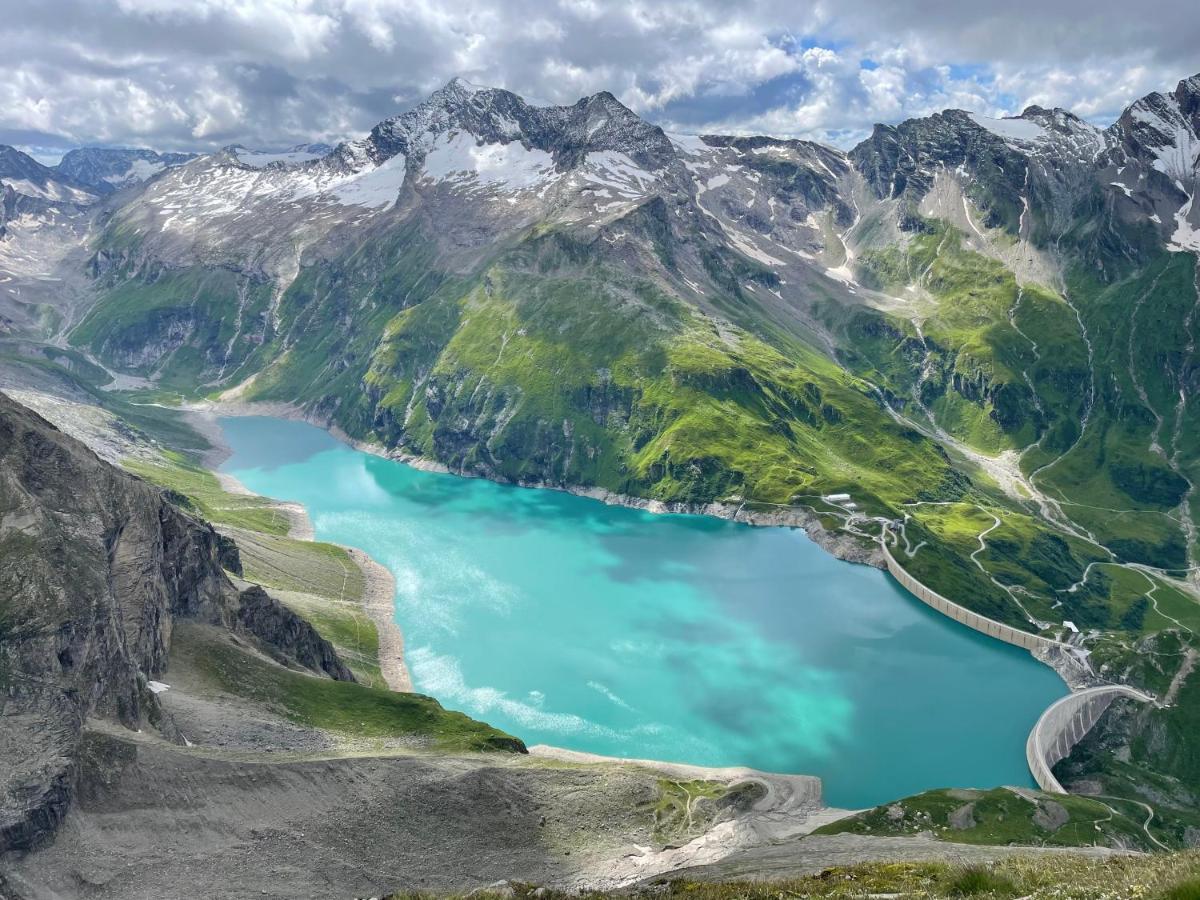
(1187, 94)
(29, 177)
(1057, 119)
(105, 169)
(596, 123)
(601, 123)
(1163, 131)
(15, 164)
(492, 115)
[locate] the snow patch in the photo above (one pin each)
(1010, 129)
(374, 188)
(1179, 155)
(257, 159)
(458, 157)
(690, 144)
(52, 191)
(139, 170)
(842, 273)
(618, 171)
(1187, 236)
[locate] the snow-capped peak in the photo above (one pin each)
(1011, 129)
(460, 84)
(1164, 128)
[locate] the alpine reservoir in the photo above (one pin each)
(616, 631)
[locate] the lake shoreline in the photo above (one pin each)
(206, 416)
(203, 419)
(839, 544)
(379, 589)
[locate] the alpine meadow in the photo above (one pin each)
(239, 656)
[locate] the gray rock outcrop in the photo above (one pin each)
(97, 567)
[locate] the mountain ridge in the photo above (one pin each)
(951, 323)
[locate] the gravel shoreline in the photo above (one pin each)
(379, 592)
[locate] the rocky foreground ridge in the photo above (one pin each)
(98, 569)
(984, 331)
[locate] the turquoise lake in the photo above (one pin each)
(569, 622)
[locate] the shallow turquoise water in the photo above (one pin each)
(599, 628)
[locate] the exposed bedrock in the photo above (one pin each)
(98, 566)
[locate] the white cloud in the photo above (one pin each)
(187, 73)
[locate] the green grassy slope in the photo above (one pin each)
(1093, 390)
(350, 710)
(317, 580)
(1029, 441)
(1003, 816)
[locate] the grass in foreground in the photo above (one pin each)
(1001, 817)
(1162, 877)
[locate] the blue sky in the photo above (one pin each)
(199, 74)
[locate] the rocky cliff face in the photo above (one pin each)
(107, 169)
(97, 567)
(29, 177)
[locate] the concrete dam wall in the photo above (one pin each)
(1064, 724)
(987, 626)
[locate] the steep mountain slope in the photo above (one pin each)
(107, 169)
(44, 216)
(643, 352)
(567, 295)
(1035, 343)
(100, 570)
(984, 330)
(29, 178)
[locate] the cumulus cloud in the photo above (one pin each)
(197, 74)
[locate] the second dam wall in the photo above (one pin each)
(958, 613)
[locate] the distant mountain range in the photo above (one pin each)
(983, 330)
(106, 170)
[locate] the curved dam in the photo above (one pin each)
(686, 638)
(1065, 723)
(982, 624)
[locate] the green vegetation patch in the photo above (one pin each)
(180, 325)
(977, 368)
(1061, 877)
(685, 809)
(349, 709)
(202, 492)
(345, 625)
(1000, 816)
(319, 581)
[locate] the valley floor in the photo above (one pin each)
(300, 795)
